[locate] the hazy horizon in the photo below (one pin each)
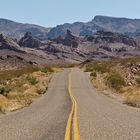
(50, 13)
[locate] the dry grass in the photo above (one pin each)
(99, 83)
(116, 76)
(57, 69)
(132, 96)
(22, 89)
(10, 74)
(3, 103)
(115, 80)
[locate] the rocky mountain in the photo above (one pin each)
(121, 25)
(69, 40)
(99, 23)
(101, 38)
(78, 28)
(100, 45)
(13, 55)
(17, 30)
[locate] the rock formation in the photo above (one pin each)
(30, 41)
(8, 43)
(110, 37)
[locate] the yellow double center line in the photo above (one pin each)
(72, 119)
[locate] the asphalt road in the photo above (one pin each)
(100, 117)
(45, 119)
(94, 115)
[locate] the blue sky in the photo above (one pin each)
(53, 12)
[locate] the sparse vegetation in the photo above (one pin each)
(117, 75)
(93, 74)
(18, 88)
(47, 70)
(4, 90)
(9, 74)
(115, 81)
(88, 68)
(32, 80)
(102, 68)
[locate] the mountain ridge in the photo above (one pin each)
(98, 23)
(17, 30)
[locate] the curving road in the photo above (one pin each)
(100, 117)
(94, 116)
(45, 119)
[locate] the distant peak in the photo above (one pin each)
(102, 17)
(99, 17)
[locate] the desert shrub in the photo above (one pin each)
(93, 74)
(115, 81)
(126, 61)
(32, 80)
(102, 68)
(4, 90)
(88, 68)
(47, 69)
(133, 98)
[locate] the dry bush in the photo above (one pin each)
(132, 96)
(115, 80)
(99, 82)
(93, 74)
(32, 80)
(3, 103)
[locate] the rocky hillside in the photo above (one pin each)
(17, 30)
(8, 43)
(100, 45)
(103, 37)
(13, 56)
(63, 49)
(69, 40)
(99, 23)
(121, 25)
(78, 28)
